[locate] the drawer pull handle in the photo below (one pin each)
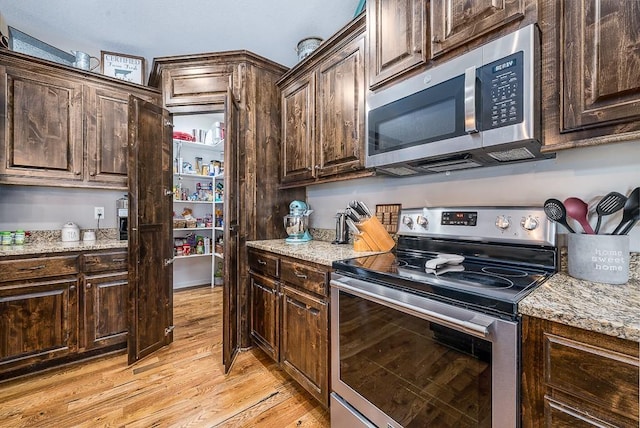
(300, 275)
(262, 262)
(34, 267)
(118, 260)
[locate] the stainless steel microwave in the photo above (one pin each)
(479, 109)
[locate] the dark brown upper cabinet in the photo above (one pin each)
(323, 112)
(455, 23)
(591, 72)
(61, 126)
(42, 130)
(397, 33)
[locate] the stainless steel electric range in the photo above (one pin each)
(428, 335)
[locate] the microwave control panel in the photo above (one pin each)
(502, 91)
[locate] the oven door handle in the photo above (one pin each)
(474, 329)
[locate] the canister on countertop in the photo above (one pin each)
(18, 238)
(6, 238)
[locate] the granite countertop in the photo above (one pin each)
(37, 248)
(604, 308)
(320, 252)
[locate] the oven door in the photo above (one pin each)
(402, 360)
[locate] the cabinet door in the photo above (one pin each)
(456, 22)
(150, 303)
(41, 135)
(106, 135)
(298, 130)
(600, 60)
(397, 31)
(304, 351)
(105, 310)
(340, 111)
(37, 321)
(265, 325)
(185, 88)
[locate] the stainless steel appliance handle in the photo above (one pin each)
(477, 330)
(470, 122)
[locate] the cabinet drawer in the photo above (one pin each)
(264, 263)
(98, 262)
(304, 276)
(13, 270)
(594, 374)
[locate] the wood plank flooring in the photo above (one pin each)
(180, 385)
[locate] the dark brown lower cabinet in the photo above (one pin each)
(265, 320)
(290, 317)
(37, 321)
(57, 308)
(105, 310)
(304, 346)
(577, 378)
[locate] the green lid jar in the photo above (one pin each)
(6, 238)
(18, 238)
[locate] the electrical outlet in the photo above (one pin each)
(98, 213)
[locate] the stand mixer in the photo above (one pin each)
(296, 223)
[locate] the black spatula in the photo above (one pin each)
(611, 203)
(629, 213)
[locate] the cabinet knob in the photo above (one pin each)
(435, 39)
(88, 285)
(93, 174)
(77, 173)
(73, 287)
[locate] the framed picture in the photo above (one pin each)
(124, 67)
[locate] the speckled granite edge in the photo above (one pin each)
(315, 251)
(60, 247)
(604, 308)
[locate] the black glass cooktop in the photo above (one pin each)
(483, 280)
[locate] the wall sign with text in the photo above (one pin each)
(124, 67)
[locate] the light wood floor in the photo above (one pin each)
(181, 385)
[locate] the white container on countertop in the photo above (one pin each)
(70, 232)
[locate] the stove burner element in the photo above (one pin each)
(485, 280)
(514, 273)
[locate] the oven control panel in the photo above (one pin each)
(525, 225)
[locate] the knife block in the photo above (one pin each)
(373, 236)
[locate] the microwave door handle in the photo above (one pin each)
(470, 122)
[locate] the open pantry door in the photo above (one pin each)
(230, 341)
(150, 306)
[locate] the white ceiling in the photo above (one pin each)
(155, 28)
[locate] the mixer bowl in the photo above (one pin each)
(296, 225)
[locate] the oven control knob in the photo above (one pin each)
(502, 222)
(529, 223)
(422, 221)
(407, 221)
